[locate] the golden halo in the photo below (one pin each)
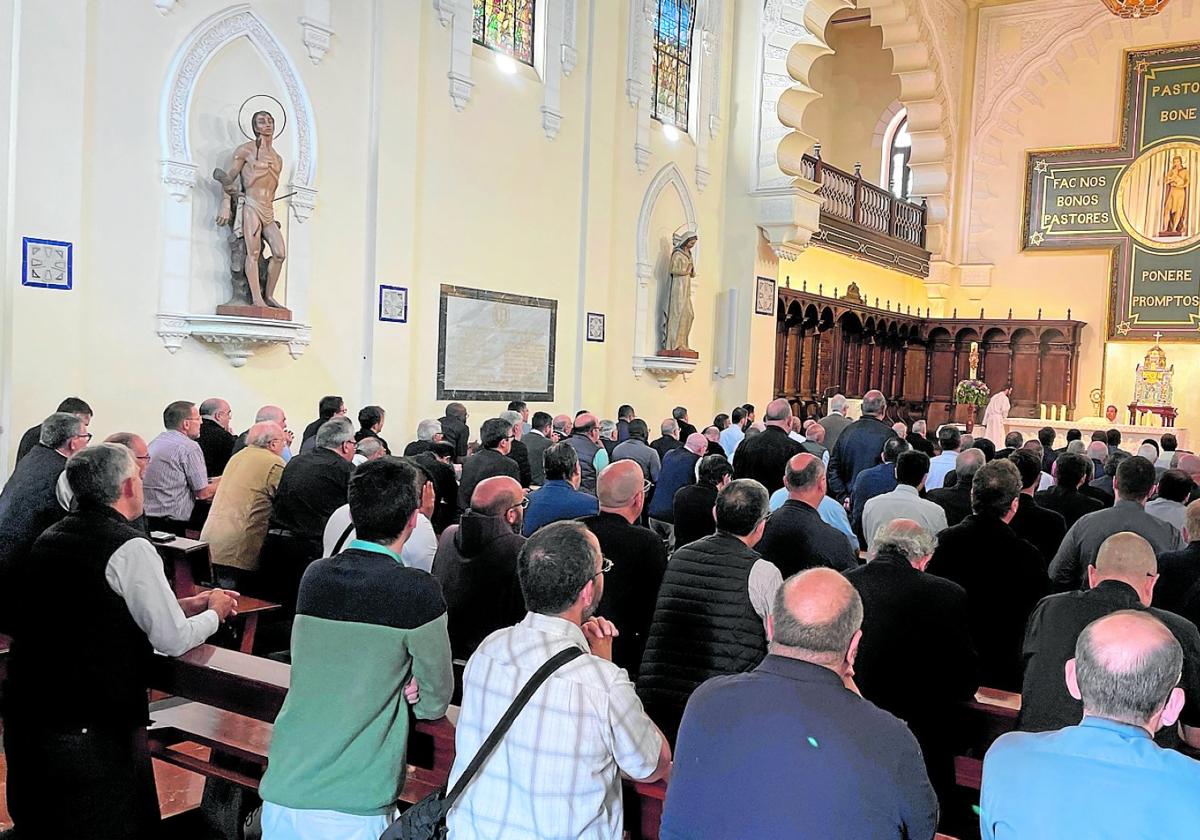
(261, 102)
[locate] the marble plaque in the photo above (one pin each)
(495, 346)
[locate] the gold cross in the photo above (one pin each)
(1157, 337)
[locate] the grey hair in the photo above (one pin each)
(262, 434)
(919, 427)
(874, 405)
(607, 427)
(1076, 447)
(269, 414)
(426, 429)
(210, 407)
(368, 446)
(968, 463)
(513, 417)
(669, 425)
(59, 428)
(334, 432)
(96, 473)
(832, 637)
(912, 544)
(837, 403)
(1135, 693)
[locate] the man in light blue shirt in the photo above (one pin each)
(1105, 776)
(949, 439)
(732, 434)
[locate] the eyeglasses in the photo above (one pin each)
(524, 503)
(142, 457)
(86, 435)
(510, 437)
(605, 567)
(646, 485)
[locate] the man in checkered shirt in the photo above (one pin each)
(557, 772)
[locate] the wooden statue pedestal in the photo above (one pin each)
(271, 313)
(679, 354)
(966, 415)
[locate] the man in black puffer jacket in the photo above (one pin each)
(712, 608)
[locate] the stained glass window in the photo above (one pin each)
(505, 26)
(672, 69)
(899, 155)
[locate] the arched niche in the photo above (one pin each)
(181, 170)
(666, 206)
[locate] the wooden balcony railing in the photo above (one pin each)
(851, 199)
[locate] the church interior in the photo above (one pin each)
(562, 206)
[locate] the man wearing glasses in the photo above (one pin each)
(29, 504)
(496, 438)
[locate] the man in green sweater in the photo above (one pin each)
(369, 639)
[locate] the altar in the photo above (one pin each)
(1131, 436)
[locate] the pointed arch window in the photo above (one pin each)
(897, 174)
(505, 26)
(672, 62)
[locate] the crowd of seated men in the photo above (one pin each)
(783, 618)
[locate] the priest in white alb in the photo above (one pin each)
(995, 415)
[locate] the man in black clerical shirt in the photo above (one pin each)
(915, 659)
(216, 440)
(328, 408)
(1123, 577)
(71, 405)
(693, 504)
(312, 487)
(1004, 575)
(764, 456)
(1065, 498)
(956, 499)
(796, 538)
(1042, 527)
(1178, 587)
(639, 559)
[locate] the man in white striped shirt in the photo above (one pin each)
(557, 772)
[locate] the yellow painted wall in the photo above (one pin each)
(830, 273)
(857, 87)
(411, 193)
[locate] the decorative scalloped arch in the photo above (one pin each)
(907, 33)
(997, 122)
(205, 41)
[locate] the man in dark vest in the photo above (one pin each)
(712, 607)
(71, 405)
(29, 504)
(75, 728)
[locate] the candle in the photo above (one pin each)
(1042, 410)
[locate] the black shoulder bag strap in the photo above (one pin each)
(553, 664)
(337, 548)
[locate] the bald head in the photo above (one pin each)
(874, 404)
(816, 615)
(815, 432)
(1125, 668)
(262, 435)
(697, 443)
(968, 463)
(1126, 557)
(586, 423)
(779, 413)
(496, 496)
(270, 414)
(804, 476)
(1190, 464)
(619, 485)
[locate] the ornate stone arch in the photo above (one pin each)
(645, 336)
(926, 69)
(235, 336)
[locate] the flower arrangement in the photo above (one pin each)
(971, 392)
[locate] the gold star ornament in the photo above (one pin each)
(1123, 328)
(1037, 238)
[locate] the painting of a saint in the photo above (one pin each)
(1175, 199)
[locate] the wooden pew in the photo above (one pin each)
(990, 715)
(250, 691)
(237, 698)
(187, 564)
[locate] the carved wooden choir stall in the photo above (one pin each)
(825, 345)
